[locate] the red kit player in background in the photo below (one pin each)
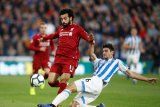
(67, 54)
(42, 53)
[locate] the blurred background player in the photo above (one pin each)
(67, 54)
(133, 48)
(42, 53)
(90, 88)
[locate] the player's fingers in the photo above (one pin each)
(91, 37)
(150, 81)
(153, 81)
(91, 34)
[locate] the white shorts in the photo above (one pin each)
(133, 58)
(89, 89)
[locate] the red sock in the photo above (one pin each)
(45, 76)
(62, 86)
(55, 84)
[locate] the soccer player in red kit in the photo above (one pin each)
(67, 53)
(42, 53)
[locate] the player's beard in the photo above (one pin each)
(66, 24)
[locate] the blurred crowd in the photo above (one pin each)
(109, 20)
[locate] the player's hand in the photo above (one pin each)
(43, 49)
(91, 38)
(152, 80)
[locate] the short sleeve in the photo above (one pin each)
(122, 67)
(96, 63)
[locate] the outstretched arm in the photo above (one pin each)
(83, 34)
(91, 51)
(137, 76)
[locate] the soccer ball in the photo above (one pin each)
(37, 80)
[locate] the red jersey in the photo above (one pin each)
(36, 44)
(68, 40)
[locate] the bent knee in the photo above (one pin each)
(64, 78)
(50, 81)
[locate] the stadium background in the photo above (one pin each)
(109, 20)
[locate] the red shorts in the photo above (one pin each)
(59, 68)
(37, 64)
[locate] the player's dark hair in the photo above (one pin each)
(67, 11)
(108, 45)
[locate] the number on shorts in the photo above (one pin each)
(87, 80)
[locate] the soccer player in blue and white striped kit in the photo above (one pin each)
(90, 88)
(133, 48)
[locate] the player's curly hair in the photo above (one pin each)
(68, 11)
(108, 45)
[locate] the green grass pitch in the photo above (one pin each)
(14, 92)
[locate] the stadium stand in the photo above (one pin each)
(109, 20)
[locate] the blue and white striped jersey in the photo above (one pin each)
(133, 41)
(105, 69)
